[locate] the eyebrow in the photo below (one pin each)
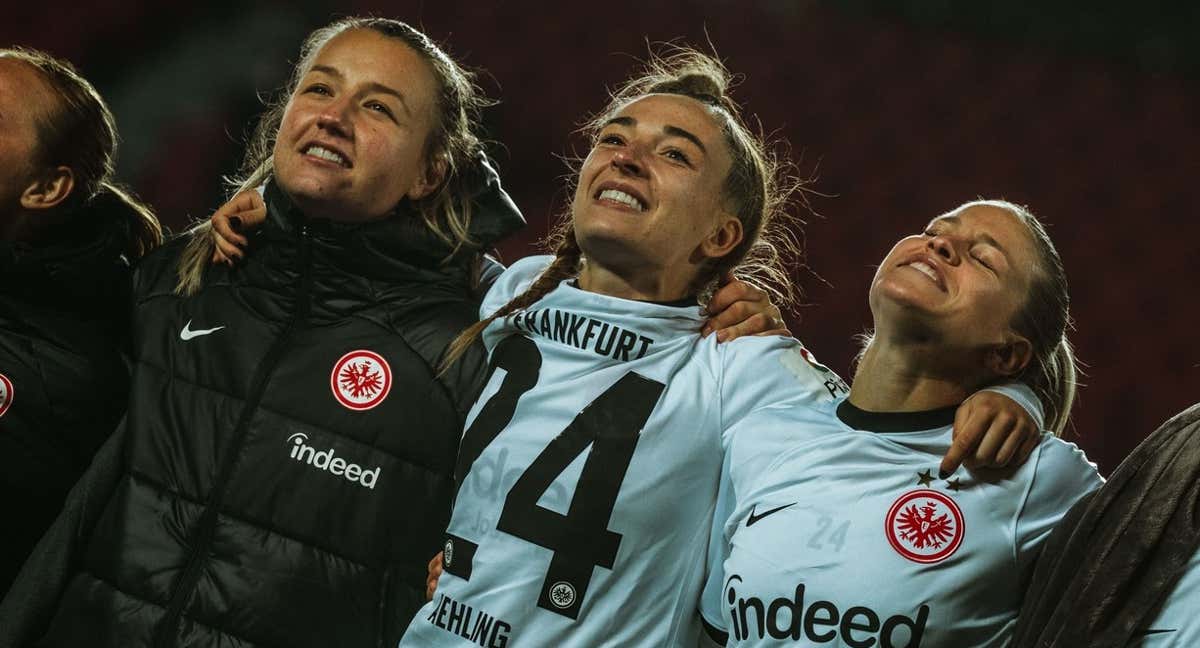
(673, 131)
(373, 86)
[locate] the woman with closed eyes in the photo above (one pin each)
(835, 526)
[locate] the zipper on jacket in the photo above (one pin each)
(167, 626)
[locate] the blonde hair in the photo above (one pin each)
(758, 191)
(1045, 320)
(455, 143)
(79, 132)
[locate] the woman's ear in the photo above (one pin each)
(722, 240)
(1011, 357)
(435, 173)
(48, 189)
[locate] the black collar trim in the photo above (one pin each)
(860, 419)
(690, 300)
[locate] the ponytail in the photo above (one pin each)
(194, 260)
(144, 233)
(1056, 386)
(198, 252)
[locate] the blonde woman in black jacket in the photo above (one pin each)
(285, 468)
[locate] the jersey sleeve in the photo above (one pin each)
(1024, 396)
(766, 372)
(512, 282)
(1061, 476)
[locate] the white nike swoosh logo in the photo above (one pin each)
(187, 333)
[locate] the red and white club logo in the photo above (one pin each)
(361, 379)
(6, 394)
(924, 526)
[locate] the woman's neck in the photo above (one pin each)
(909, 377)
(36, 229)
(643, 284)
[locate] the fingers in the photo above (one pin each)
(1020, 431)
(434, 573)
(245, 210)
(732, 292)
(740, 309)
(226, 226)
(1015, 441)
(728, 316)
(757, 324)
(990, 431)
(964, 438)
(999, 429)
(776, 321)
(1009, 449)
(228, 250)
(249, 206)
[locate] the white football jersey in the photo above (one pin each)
(1176, 625)
(839, 531)
(589, 470)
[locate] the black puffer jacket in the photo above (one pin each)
(63, 380)
(288, 454)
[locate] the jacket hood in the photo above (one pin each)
(496, 215)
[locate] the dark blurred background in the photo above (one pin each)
(902, 109)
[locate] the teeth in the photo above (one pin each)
(924, 267)
(326, 154)
(622, 197)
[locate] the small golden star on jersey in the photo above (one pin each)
(925, 478)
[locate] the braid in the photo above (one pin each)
(564, 266)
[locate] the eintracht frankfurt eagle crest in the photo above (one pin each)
(924, 526)
(6, 393)
(361, 379)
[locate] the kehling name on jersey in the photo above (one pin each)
(475, 626)
(583, 332)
